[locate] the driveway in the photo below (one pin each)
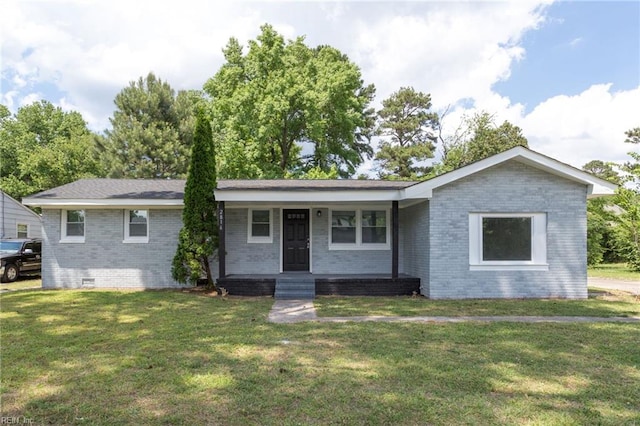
(611, 284)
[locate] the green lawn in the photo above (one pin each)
(22, 283)
(104, 358)
(607, 304)
(619, 271)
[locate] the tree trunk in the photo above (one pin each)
(210, 282)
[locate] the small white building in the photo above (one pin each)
(18, 221)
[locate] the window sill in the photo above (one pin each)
(260, 240)
(333, 247)
(510, 267)
(136, 241)
(72, 241)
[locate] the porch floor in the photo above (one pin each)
(326, 284)
(312, 275)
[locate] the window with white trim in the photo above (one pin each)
(136, 226)
(504, 241)
(72, 229)
(343, 227)
(22, 230)
(359, 229)
(260, 226)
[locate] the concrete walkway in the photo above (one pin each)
(632, 287)
(288, 311)
(292, 311)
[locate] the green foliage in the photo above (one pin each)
(410, 127)
(152, 131)
(477, 138)
(628, 226)
(602, 237)
(603, 170)
(42, 147)
(315, 174)
(628, 199)
(282, 95)
(198, 238)
(633, 167)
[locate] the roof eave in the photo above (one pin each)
(595, 186)
(107, 203)
(307, 196)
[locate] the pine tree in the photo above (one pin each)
(410, 128)
(198, 238)
(152, 131)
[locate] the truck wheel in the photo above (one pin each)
(10, 273)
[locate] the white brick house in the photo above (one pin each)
(510, 226)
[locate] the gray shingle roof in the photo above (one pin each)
(311, 185)
(157, 189)
(100, 189)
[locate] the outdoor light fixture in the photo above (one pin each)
(319, 213)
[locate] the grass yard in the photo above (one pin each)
(22, 283)
(605, 304)
(618, 271)
(103, 358)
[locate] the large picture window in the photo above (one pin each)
(260, 226)
(508, 241)
(73, 226)
(136, 226)
(359, 229)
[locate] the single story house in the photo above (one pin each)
(510, 226)
(16, 220)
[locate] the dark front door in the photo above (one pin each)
(295, 240)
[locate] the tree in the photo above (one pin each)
(279, 97)
(411, 128)
(152, 131)
(602, 243)
(198, 237)
(628, 199)
(477, 138)
(42, 147)
(603, 170)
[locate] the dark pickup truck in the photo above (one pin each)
(19, 257)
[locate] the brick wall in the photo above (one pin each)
(414, 251)
(327, 261)
(510, 187)
(250, 258)
(104, 257)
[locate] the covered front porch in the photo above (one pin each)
(323, 284)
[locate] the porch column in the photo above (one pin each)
(221, 241)
(394, 239)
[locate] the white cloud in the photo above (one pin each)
(80, 54)
(30, 98)
(453, 51)
(585, 127)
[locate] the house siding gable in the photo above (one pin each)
(12, 213)
(509, 187)
(104, 258)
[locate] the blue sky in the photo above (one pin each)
(567, 73)
(581, 43)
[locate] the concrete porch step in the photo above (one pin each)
(295, 289)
